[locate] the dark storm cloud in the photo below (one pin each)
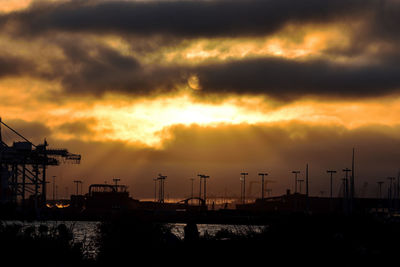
(97, 69)
(93, 68)
(107, 70)
(286, 78)
(14, 66)
(182, 18)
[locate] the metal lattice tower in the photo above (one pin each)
(23, 168)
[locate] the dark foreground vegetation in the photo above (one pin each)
(314, 240)
(128, 241)
(40, 246)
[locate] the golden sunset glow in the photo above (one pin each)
(147, 120)
(291, 42)
(163, 91)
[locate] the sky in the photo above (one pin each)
(216, 87)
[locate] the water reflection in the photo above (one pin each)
(86, 232)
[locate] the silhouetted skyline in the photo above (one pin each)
(212, 87)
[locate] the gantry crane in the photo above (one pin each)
(23, 168)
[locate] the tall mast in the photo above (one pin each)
(1, 138)
(352, 189)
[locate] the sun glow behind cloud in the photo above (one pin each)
(147, 121)
(292, 42)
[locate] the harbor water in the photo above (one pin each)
(86, 232)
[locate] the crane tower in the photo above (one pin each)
(23, 168)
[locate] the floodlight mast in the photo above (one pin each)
(331, 172)
(205, 177)
(347, 170)
(200, 178)
(262, 174)
(295, 180)
(161, 179)
(244, 186)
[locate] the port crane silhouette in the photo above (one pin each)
(23, 168)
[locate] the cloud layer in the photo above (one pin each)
(90, 66)
(182, 18)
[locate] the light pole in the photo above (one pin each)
(205, 187)
(200, 177)
(331, 173)
(244, 186)
(346, 181)
(295, 180)
(161, 178)
(262, 174)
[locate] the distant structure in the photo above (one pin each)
(243, 187)
(262, 174)
(161, 179)
(295, 180)
(23, 168)
(331, 172)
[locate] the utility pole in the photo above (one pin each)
(347, 170)
(205, 177)
(200, 177)
(307, 192)
(161, 179)
(295, 180)
(262, 174)
(244, 186)
(352, 186)
(331, 172)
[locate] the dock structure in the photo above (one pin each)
(23, 168)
